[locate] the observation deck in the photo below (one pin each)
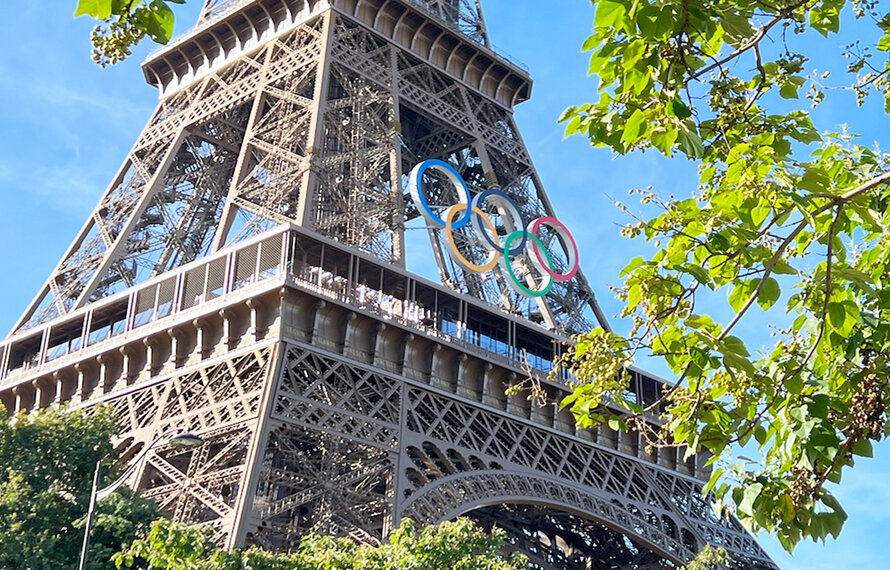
(242, 27)
(294, 285)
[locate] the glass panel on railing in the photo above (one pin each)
(245, 266)
(119, 326)
(193, 287)
(107, 321)
(488, 331)
(447, 315)
(145, 306)
(425, 303)
(335, 271)
(64, 338)
(307, 255)
(56, 351)
(99, 334)
(216, 279)
(166, 298)
(25, 353)
(534, 348)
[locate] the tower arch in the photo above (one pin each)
(462, 494)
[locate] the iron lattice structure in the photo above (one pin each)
(244, 277)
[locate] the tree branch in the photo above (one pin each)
(768, 269)
(863, 188)
(755, 39)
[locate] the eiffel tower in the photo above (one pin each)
(244, 276)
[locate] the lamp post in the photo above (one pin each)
(178, 438)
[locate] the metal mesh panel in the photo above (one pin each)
(270, 258)
(193, 287)
(216, 279)
(166, 298)
(145, 306)
(245, 267)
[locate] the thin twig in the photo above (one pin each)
(755, 39)
(768, 269)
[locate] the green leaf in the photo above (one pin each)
(863, 448)
(646, 22)
(782, 267)
(591, 43)
(99, 9)
(718, 242)
(788, 89)
(608, 14)
(616, 424)
(699, 322)
(832, 503)
(825, 17)
(760, 213)
(769, 294)
(156, 19)
(761, 435)
(742, 292)
(165, 19)
(749, 496)
(814, 179)
(569, 113)
(663, 139)
(737, 26)
(634, 263)
(712, 482)
(634, 128)
(700, 274)
(690, 144)
(843, 316)
(738, 363)
(794, 384)
(679, 108)
(735, 345)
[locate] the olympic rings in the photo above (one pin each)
(566, 235)
(465, 263)
(415, 184)
(505, 203)
(525, 235)
(544, 270)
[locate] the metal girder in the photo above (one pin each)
(310, 128)
(317, 124)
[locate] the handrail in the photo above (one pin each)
(223, 278)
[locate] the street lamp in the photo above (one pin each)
(177, 438)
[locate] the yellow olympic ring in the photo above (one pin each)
(466, 264)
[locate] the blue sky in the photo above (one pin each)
(67, 126)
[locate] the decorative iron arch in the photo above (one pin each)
(557, 540)
(462, 493)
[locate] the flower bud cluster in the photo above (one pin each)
(867, 407)
(113, 40)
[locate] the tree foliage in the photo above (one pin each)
(784, 216)
(458, 545)
(46, 473)
(125, 23)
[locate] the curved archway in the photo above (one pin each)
(556, 540)
(460, 494)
